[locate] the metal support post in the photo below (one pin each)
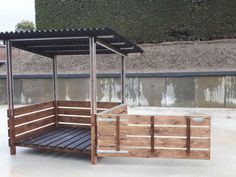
(55, 89)
(93, 97)
(123, 77)
(10, 98)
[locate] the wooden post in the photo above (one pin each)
(117, 133)
(93, 97)
(55, 89)
(152, 134)
(10, 93)
(55, 104)
(188, 133)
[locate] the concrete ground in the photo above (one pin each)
(33, 163)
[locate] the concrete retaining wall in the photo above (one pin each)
(213, 91)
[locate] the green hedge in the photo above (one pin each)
(143, 20)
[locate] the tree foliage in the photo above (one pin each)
(143, 20)
(25, 25)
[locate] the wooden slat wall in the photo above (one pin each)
(34, 118)
(32, 108)
(31, 118)
(78, 113)
(154, 136)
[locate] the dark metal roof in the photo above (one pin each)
(69, 41)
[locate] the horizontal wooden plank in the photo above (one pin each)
(115, 110)
(35, 133)
(174, 154)
(73, 125)
(109, 141)
(158, 131)
(84, 120)
(34, 125)
(166, 131)
(71, 111)
(59, 149)
(34, 116)
(32, 108)
(167, 120)
(161, 120)
(107, 105)
(86, 104)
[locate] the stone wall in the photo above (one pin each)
(197, 56)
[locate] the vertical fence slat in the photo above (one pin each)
(152, 133)
(117, 133)
(55, 103)
(188, 134)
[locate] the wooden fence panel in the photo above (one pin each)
(153, 136)
(78, 113)
(32, 108)
(33, 117)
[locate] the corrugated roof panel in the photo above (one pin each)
(68, 41)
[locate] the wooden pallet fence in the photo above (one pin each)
(185, 137)
(31, 119)
(78, 113)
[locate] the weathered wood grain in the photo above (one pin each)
(173, 154)
(32, 108)
(165, 120)
(153, 136)
(110, 141)
(86, 104)
(34, 125)
(70, 111)
(34, 116)
(158, 131)
(69, 119)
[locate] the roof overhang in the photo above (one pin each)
(71, 42)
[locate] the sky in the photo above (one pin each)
(14, 11)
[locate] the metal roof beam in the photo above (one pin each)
(118, 43)
(126, 48)
(105, 36)
(110, 47)
(63, 45)
(77, 50)
(77, 45)
(60, 38)
(48, 39)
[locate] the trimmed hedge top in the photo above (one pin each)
(143, 21)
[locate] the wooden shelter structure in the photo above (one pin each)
(91, 127)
